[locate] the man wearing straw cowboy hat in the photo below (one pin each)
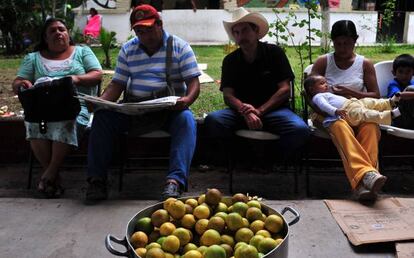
(255, 82)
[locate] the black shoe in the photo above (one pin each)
(171, 190)
(96, 191)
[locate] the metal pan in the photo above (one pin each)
(281, 251)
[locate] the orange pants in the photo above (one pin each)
(358, 148)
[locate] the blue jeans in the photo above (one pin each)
(284, 122)
(107, 125)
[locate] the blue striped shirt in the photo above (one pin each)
(148, 73)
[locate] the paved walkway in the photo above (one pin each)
(66, 228)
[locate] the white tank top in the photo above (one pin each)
(353, 77)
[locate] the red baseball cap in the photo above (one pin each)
(144, 15)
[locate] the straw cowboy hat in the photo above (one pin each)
(242, 15)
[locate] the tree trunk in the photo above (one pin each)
(53, 8)
(107, 59)
(325, 26)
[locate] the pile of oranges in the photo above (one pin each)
(210, 226)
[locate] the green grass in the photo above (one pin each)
(210, 97)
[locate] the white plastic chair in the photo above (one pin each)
(383, 71)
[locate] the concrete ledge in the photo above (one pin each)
(14, 147)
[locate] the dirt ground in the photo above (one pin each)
(7, 97)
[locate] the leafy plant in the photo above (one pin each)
(229, 47)
(387, 40)
(77, 35)
(108, 40)
(283, 34)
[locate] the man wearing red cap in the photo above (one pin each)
(140, 71)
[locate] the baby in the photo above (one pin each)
(354, 111)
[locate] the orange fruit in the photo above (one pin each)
(168, 202)
(228, 249)
(253, 214)
(216, 223)
(167, 228)
(171, 244)
(201, 226)
(159, 217)
(241, 208)
(176, 209)
(201, 212)
(264, 233)
(210, 237)
(213, 196)
(141, 251)
(266, 245)
(215, 251)
(139, 239)
(256, 225)
(227, 239)
(243, 235)
(192, 202)
(155, 253)
(184, 235)
(234, 221)
(247, 251)
(274, 223)
(193, 254)
(188, 221)
(144, 224)
(239, 197)
(254, 203)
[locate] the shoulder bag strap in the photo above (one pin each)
(168, 65)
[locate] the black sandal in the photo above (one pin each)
(49, 189)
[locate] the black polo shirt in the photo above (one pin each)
(255, 83)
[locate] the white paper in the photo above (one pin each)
(135, 108)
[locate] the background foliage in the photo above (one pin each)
(210, 98)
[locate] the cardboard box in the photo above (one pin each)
(387, 220)
(405, 250)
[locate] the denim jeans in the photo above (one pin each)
(406, 120)
(107, 125)
(284, 122)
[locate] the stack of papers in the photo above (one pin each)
(135, 108)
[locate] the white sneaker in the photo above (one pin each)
(373, 181)
(363, 194)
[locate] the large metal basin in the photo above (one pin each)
(281, 251)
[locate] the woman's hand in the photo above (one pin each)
(21, 83)
(343, 91)
(75, 79)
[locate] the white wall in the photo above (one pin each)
(206, 26)
(365, 21)
(409, 28)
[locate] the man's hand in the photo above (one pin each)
(247, 108)
(253, 121)
(90, 106)
(341, 113)
(182, 103)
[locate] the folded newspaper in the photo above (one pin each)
(135, 108)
